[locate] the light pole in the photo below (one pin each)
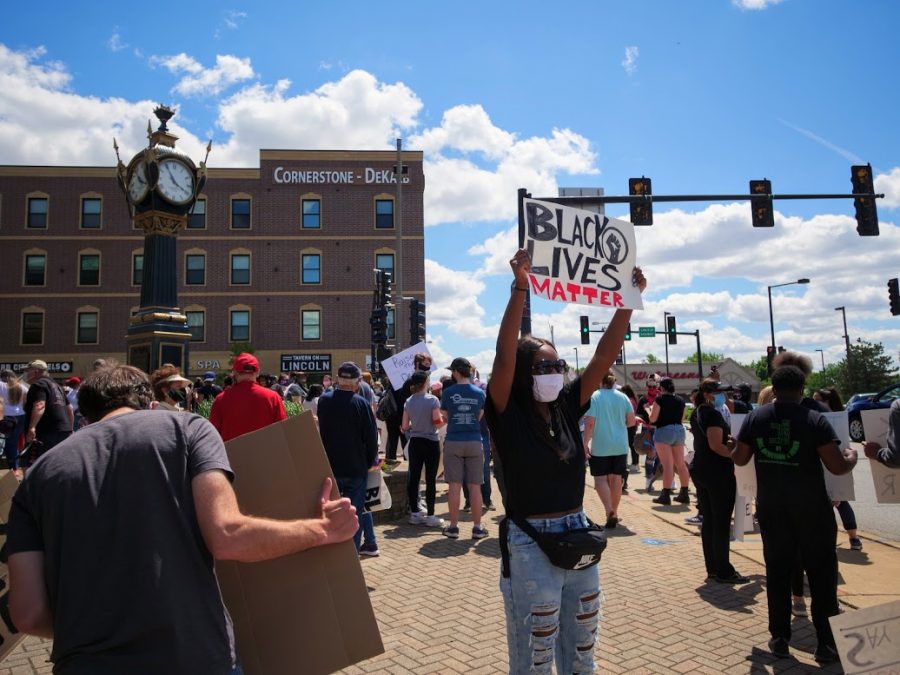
(822, 354)
(576, 358)
(772, 320)
(666, 339)
(843, 311)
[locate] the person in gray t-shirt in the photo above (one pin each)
(421, 418)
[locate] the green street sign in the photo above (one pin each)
(646, 331)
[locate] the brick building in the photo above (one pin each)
(280, 257)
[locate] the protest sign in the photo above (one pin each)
(578, 256)
(839, 488)
(9, 636)
(400, 366)
(744, 475)
(308, 612)
(886, 480)
(868, 640)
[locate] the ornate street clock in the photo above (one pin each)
(161, 185)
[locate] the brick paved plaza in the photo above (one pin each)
(440, 610)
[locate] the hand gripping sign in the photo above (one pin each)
(578, 256)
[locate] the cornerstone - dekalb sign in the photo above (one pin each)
(369, 176)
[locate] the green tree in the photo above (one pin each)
(651, 359)
(760, 368)
(708, 357)
(870, 369)
(826, 378)
(239, 348)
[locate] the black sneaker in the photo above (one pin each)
(682, 497)
(665, 498)
(779, 647)
(825, 654)
(733, 578)
(611, 522)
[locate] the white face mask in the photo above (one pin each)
(546, 388)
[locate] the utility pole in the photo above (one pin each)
(398, 227)
(699, 357)
(666, 339)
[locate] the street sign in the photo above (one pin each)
(646, 331)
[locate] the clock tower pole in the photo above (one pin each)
(161, 185)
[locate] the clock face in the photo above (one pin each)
(176, 181)
(138, 185)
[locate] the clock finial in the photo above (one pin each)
(163, 113)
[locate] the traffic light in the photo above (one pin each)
(761, 211)
(770, 354)
(866, 213)
(585, 330)
(386, 291)
(641, 211)
(628, 333)
(416, 322)
(894, 296)
(379, 325)
(671, 333)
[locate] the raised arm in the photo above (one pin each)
(508, 338)
(609, 345)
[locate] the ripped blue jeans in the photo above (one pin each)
(552, 614)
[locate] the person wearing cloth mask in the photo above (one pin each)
(171, 391)
(551, 613)
(713, 474)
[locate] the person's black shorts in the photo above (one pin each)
(604, 466)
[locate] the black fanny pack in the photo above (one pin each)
(571, 550)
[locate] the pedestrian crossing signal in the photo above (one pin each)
(641, 210)
(866, 212)
(761, 210)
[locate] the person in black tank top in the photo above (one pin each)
(533, 418)
(667, 413)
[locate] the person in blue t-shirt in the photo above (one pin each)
(462, 406)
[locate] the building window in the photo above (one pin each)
(89, 270)
(87, 328)
(197, 325)
(240, 214)
(197, 218)
(312, 324)
(385, 262)
(240, 268)
(195, 270)
(312, 213)
(384, 214)
(312, 268)
(137, 269)
(390, 324)
(240, 326)
(35, 270)
(90, 212)
(37, 211)
(33, 328)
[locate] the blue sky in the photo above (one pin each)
(701, 97)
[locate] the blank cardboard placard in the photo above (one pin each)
(868, 640)
(840, 488)
(886, 480)
(308, 612)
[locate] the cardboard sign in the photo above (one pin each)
(875, 425)
(308, 612)
(840, 488)
(886, 480)
(400, 366)
(868, 640)
(9, 636)
(579, 256)
(744, 475)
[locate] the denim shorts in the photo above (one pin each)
(671, 434)
(552, 614)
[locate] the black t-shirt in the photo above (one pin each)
(706, 460)
(537, 477)
(740, 408)
(209, 391)
(671, 410)
(785, 437)
(56, 416)
(130, 581)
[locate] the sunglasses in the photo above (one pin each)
(546, 367)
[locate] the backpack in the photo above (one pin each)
(387, 407)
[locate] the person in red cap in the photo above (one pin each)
(246, 406)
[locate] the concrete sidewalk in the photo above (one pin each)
(440, 611)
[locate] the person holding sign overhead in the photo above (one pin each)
(552, 613)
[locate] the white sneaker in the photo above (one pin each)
(417, 518)
(634, 468)
(434, 521)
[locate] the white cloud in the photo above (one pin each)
(115, 43)
(453, 301)
(200, 81)
(889, 184)
(754, 4)
(233, 18)
(629, 63)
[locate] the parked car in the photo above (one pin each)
(882, 399)
(857, 397)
